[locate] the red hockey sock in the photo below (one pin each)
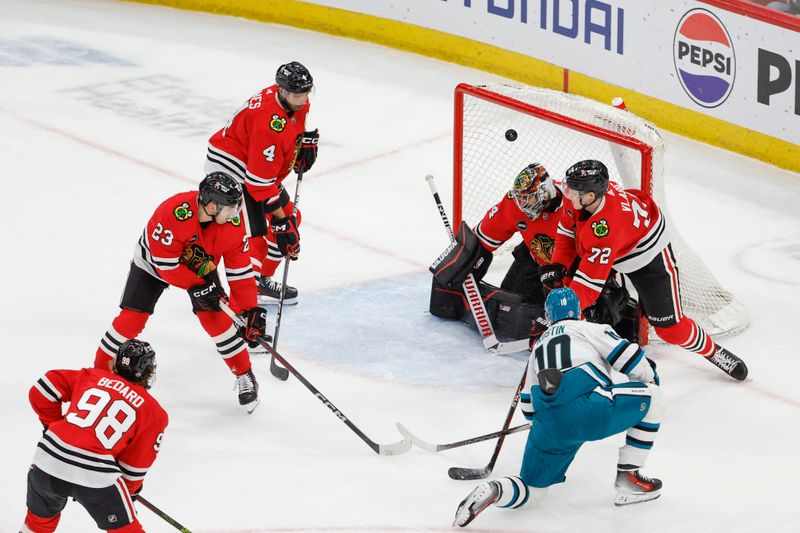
(38, 524)
(689, 335)
(230, 345)
(127, 325)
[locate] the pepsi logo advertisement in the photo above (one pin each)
(704, 58)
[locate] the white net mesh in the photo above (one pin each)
(490, 160)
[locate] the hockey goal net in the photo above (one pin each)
(500, 128)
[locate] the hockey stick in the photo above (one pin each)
(274, 368)
(481, 473)
(395, 448)
(427, 446)
(168, 519)
(473, 295)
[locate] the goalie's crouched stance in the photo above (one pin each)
(181, 246)
(516, 308)
(571, 399)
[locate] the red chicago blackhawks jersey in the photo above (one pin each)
(175, 226)
(506, 218)
(112, 428)
(258, 144)
(626, 232)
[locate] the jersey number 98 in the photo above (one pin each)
(104, 415)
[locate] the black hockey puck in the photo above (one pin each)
(511, 135)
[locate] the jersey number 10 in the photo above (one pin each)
(556, 346)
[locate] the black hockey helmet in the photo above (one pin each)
(294, 78)
(136, 362)
(589, 175)
(220, 188)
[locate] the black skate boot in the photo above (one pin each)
(633, 487)
(248, 391)
(729, 363)
(476, 502)
(269, 292)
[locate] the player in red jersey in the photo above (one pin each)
(264, 141)
(531, 208)
(99, 451)
(608, 227)
(181, 246)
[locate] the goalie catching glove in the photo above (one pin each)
(464, 256)
(306, 145)
(286, 236)
(255, 320)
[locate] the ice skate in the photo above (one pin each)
(729, 363)
(633, 487)
(269, 292)
(248, 391)
(476, 501)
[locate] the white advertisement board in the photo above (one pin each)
(685, 52)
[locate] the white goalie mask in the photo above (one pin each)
(533, 189)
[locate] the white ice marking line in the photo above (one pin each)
(140, 162)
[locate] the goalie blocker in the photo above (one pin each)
(510, 312)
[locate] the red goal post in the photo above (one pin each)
(500, 128)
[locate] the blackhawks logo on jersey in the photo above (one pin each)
(277, 123)
(542, 246)
(600, 228)
(183, 212)
(236, 221)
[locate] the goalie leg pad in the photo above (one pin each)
(446, 302)
(464, 256)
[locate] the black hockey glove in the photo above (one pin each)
(255, 326)
(286, 236)
(539, 326)
(552, 277)
(306, 146)
(205, 297)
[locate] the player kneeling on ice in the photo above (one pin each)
(607, 227)
(572, 399)
(99, 451)
(533, 209)
(183, 242)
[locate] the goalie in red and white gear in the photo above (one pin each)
(100, 450)
(260, 145)
(608, 227)
(531, 208)
(181, 246)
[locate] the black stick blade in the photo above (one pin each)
(278, 371)
(468, 473)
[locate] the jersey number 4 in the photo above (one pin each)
(110, 419)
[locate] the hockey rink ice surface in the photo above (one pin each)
(105, 110)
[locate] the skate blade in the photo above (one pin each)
(629, 499)
(264, 301)
(250, 407)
